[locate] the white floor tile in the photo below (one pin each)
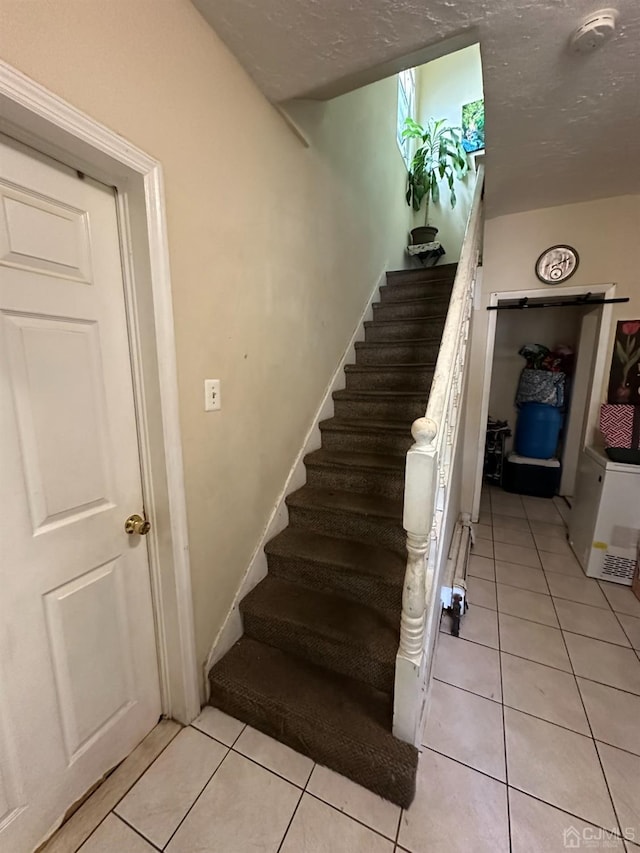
(527, 605)
(517, 554)
(553, 544)
(557, 766)
(623, 775)
(590, 621)
(162, 796)
(481, 592)
(582, 590)
(483, 548)
(533, 641)
(548, 531)
(544, 692)
(481, 567)
(621, 598)
(355, 801)
(479, 625)
(523, 577)
(113, 835)
(483, 531)
(244, 807)
(513, 536)
(614, 715)
(540, 828)
(563, 564)
(631, 627)
(456, 810)
(467, 728)
(275, 756)
(469, 666)
(219, 725)
(317, 828)
(513, 522)
(604, 662)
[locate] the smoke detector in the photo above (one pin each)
(594, 31)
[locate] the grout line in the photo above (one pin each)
(113, 809)
(351, 817)
(302, 793)
(617, 831)
(504, 739)
(188, 812)
(397, 838)
(137, 831)
(464, 764)
(584, 708)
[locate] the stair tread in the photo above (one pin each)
(345, 623)
(402, 342)
(358, 424)
(372, 560)
(426, 274)
(353, 459)
(335, 720)
(334, 499)
(417, 301)
(363, 394)
(406, 320)
(413, 366)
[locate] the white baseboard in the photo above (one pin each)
(232, 628)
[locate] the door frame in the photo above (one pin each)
(608, 291)
(36, 117)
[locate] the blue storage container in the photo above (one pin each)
(537, 430)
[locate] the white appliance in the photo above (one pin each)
(604, 527)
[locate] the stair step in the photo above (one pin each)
(404, 328)
(415, 351)
(371, 519)
(426, 307)
(403, 406)
(402, 291)
(389, 377)
(367, 473)
(336, 721)
(342, 636)
(441, 272)
(365, 436)
(358, 572)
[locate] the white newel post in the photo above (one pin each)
(419, 493)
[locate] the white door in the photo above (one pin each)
(78, 666)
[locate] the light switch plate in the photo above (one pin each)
(212, 395)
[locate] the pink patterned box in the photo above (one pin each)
(620, 425)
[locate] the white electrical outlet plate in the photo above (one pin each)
(211, 395)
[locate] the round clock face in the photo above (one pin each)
(557, 264)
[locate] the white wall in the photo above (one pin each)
(606, 234)
(444, 86)
(274, 247)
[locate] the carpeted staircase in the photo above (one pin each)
(315, 667)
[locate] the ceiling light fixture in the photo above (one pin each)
(594, 31)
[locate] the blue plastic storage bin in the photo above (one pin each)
(537, 430)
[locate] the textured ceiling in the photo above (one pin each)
(561, 127)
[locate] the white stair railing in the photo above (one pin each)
(433, 464)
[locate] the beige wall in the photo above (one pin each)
(274, 247)
(444, 85)
(606, 234)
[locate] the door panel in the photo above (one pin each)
(77, 642)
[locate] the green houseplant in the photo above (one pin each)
(440, 156)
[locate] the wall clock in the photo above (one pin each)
(557, 264)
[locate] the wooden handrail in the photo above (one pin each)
(429, 465)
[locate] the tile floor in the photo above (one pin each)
(532, 743)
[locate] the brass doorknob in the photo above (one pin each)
(137, 524)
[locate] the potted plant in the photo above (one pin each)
(440, 156)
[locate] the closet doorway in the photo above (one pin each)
(583, 327)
